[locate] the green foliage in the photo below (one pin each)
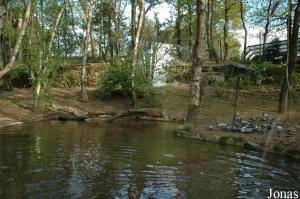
(177, 71)
(20, 77)
(46, 79)
(116, 81)
(266, 72)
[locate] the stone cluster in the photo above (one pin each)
(243, 126)
(262, 124)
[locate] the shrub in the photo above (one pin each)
(116, 81)
(20, 77)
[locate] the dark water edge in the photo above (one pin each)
(128, 159)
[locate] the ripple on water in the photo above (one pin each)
(78, 160)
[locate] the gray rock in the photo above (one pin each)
(278, 129)
(211, 127)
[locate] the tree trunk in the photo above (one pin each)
(190, 28)
(135, 48)
(12, 59)
(93, 44)
(226, 27)
(133, 22)
(19, 26)
(293, 32)
(3, 10)
(110, 33)
(178, 29)
(199, 51)
(101, 31)
(87, 41)
(245, 30)
(211, 49)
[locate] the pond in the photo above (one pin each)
(126, 159)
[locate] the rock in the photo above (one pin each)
(265, 117)
(297, 126)
(278, 129)
(211, 127)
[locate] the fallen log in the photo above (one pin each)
(148, 112)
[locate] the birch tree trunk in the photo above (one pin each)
(89, 16)
(12, 59)
(19, 26)
(135, 48)
(293, 33)
(199, 52)
(44, 66)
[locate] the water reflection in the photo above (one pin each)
(130, 160)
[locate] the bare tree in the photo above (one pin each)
(141, 20)
(270, 13)
(199, 52)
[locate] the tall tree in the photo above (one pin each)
(89, 15)
(209, 32)
(293, 33)
(44, 66)
(190, 26)
(242, 14)
(179, 7)
(226, 27)
(3, 10)
(101, 29)
(199, 53)
(19, 26)
(141, 20)
(133, 22)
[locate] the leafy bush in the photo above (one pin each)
(266, 72)
(116, 81)
(177, 71)
(20, 77)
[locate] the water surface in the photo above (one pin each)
(131, 160)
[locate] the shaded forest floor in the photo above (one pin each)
(17, 107)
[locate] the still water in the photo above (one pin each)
(131, 160)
